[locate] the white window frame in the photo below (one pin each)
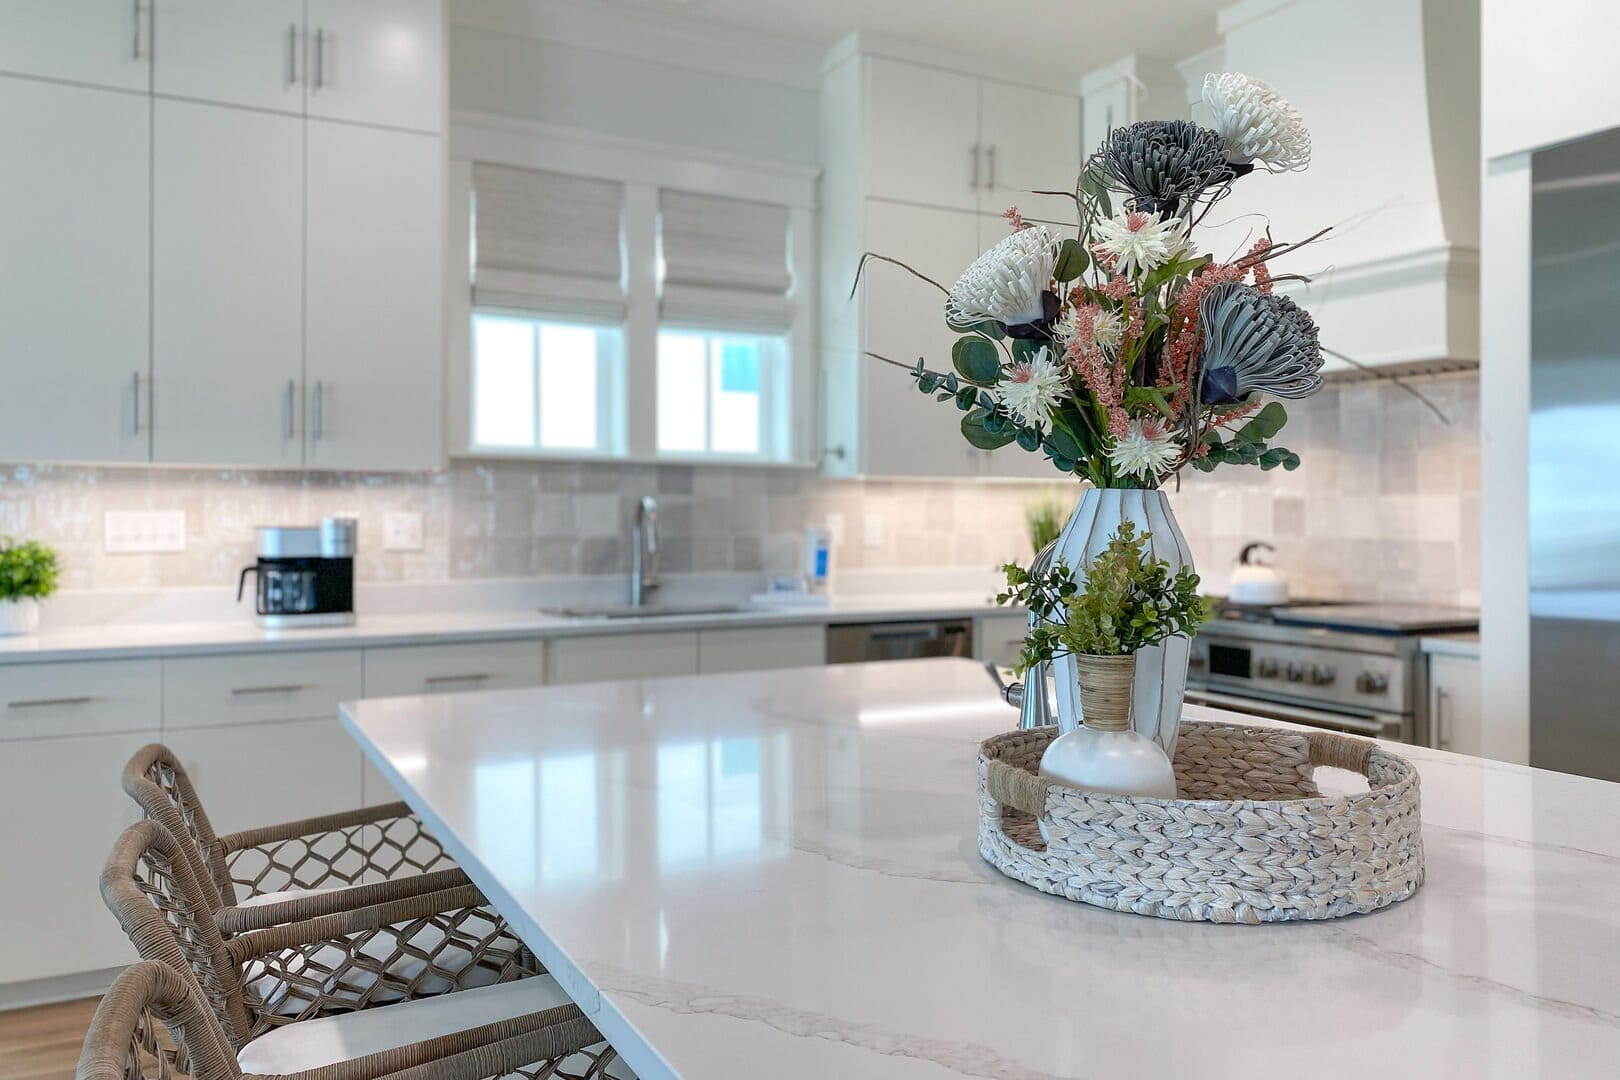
(775, 412)
(643, 167)
(610, 381)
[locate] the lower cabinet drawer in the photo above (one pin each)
(760, 648)
(610, 657)
(999, 638)
(441, 669)
(210, 691)
(79, 698)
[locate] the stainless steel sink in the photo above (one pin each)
(642, 611)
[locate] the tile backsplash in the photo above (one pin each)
(1384, 507)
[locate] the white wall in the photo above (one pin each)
(1550, 73)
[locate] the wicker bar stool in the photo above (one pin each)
(306, 994)
(155, 1025)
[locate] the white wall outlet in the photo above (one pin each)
(835, 529)
(874, 530)
(402, 532)
(144, 532)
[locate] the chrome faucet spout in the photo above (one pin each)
(644, 551)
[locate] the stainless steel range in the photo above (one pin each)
(1348, 667)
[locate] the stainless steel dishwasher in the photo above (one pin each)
(853, 643)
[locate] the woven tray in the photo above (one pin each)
(1253, 840)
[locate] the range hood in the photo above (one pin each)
(1390, 91)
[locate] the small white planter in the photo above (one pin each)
(19, 616)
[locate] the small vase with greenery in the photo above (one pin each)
(28, 572)
(1124, 603)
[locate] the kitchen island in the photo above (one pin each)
(776, 873)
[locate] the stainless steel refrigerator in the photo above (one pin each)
(1575, 458)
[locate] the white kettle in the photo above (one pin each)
(1257, 583)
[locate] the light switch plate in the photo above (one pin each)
(874, 530)
(835, 529)
(144, 532)
(402, 532)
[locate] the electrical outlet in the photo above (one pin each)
(874, 530)
(402, 532)
(143, 532)
(835, 529)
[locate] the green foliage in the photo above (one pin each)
(1249, 444)
(976, 360)
(1072, 260)
(975, 431)
(1044, 519)
(1125, 602)
(27, 569)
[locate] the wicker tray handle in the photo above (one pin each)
(1026, 791)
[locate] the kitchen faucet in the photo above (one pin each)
(644, 551)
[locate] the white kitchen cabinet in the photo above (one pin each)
(1455, 721)
(227, 297)
(621, 656)
(61, 808)
(237, 52)
(54, 700)
(1032, 143)
(75, 278)
(99, 42)
(249, 775)
(257, 688)
(761, 648)
(372, 298)
(374, 63)
(998, 638)
(922, 139)
(401, 670)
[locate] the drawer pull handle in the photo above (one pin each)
(288, 688)
(438, 680)
(48, 703)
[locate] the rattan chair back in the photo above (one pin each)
(158, 783)
(154, 1025)
(150, 884)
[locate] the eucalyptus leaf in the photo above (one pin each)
(1072, 260)
(1029, 439)
(1026, 349)
(976, 360)
(976, 431)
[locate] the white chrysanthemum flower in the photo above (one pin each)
(1140, 243)
(1031, 390)
(1006, 282)
(1256, 123)
(1091, 325)
(1108, 330)
(1146, 450)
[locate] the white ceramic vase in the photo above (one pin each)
(1161, 670)
(19, 616)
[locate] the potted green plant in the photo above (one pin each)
(1125, 602)
(27, 575)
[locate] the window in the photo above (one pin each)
(716, 393)
(542, 384)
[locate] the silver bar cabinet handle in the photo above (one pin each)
(288, 688)
(292, 390)
(975, 166)
(1442, 705)
(45, 703)
(318, 422)
(990, 184)
(135, 404)
(292, 54)
(137, 4)
(440, 680)
(320, 59)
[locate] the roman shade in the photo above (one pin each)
(547, 242)
(725, 263)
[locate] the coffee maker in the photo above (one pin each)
(305, 574)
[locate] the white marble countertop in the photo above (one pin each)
(778, 873)
(1464, 644)
(205, 637)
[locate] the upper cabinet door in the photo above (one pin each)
(238, 52)
(372, 63)
(227, 296)
(1032, 143)
(373, 297)
(101, 42)
(921, 135)
(75, 273)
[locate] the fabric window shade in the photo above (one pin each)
(548, 242)
(725, 263)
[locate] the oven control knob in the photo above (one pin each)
(1295, 672)
(1266, 668)
(1322, 676)
(1372, 682)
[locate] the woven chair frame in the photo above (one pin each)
(154, 1025)
(336, 963)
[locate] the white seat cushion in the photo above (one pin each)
(310, 1044)
(380, 948)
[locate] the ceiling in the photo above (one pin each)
(1057, 36)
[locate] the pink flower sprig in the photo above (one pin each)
(1014, 218)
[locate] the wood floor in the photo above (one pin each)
(43, 1043)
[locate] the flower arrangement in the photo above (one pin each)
(1119, 351)
(1124, 603)
(27, 570)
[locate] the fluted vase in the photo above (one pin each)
(1161, 670)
